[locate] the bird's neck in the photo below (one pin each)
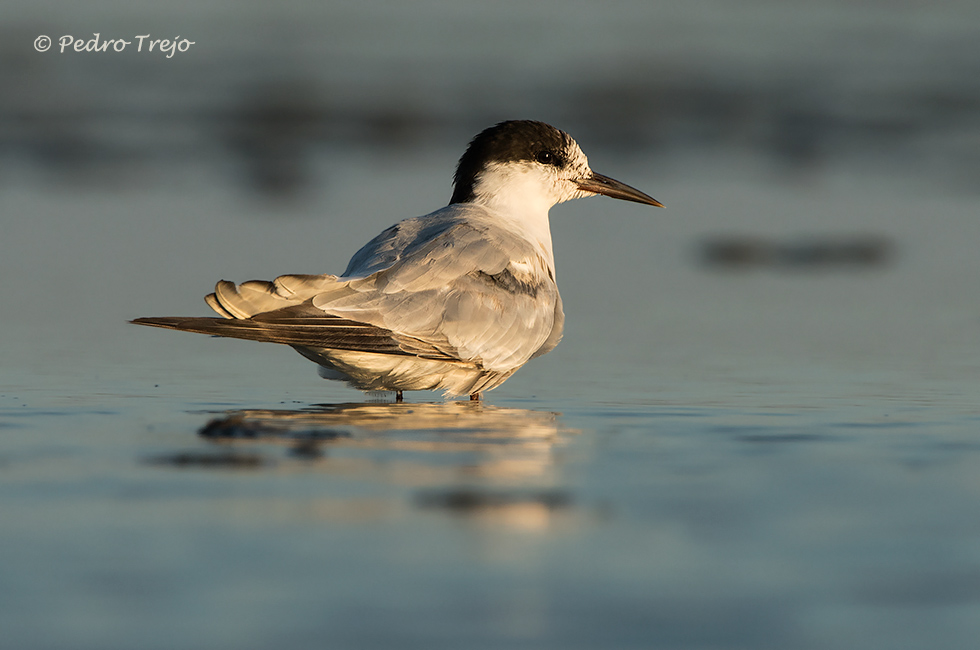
(531, 223)
(521, 201)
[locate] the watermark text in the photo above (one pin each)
(144, 43)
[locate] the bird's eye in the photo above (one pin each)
(546, 158)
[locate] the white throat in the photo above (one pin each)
(522, 194)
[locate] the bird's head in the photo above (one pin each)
(534, 164)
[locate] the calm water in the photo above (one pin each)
(775, 446)
(714, 457)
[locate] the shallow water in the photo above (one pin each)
(775, 446)
(713, 457)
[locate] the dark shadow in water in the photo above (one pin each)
(470, 500)
(225, 459)
(733, 252)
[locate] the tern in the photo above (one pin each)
(453, 301)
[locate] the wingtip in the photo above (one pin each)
(168, 322)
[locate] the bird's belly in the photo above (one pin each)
(388, 372)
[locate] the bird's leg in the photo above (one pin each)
(475, 397)
(398, 396)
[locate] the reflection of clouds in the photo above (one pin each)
(486, 464)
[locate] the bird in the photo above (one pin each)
(453, 301)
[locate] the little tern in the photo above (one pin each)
(456, 300)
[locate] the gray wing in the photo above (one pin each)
(452, 285)
(248, 299)
(474, 291)
(401, 239)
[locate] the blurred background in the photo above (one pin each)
(766, 395)
(264, 92)
(781, 135)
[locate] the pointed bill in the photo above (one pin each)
(600, 184)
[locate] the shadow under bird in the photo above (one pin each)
(456, 300)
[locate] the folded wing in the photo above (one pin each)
(447, 288)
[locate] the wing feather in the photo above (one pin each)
(304, 331)
(449, 294)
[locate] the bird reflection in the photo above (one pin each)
(486, 441)
(435, 427)
(466, 459)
